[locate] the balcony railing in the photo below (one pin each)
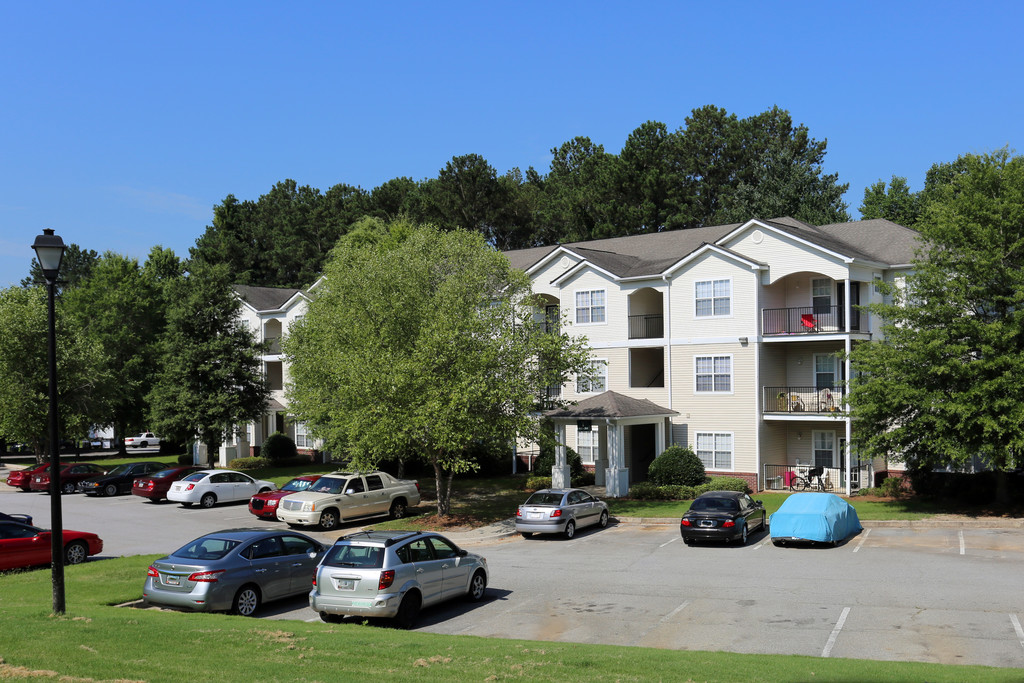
(807, 320)
(648, 326)
(785, 477)
(803, 400)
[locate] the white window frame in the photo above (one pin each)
(722, 443)
(818, 357)
(715, 298)
(832, 446)
(830, 295)
(585, 387)
(302, 437)
(590, 307)
(588, 451)
(714, 374)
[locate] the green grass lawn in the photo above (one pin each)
(97, 641)
(906, 508)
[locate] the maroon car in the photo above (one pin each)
(154, 486)
(70, 475)
(23, 478)
(264, 505)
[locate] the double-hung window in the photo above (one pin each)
(590, 307)
(713, 373)
(586, 445)
(302, 437)
(713, 297)
(824, 449)
(715, 450)
(597, 382)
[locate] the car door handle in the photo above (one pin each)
(296, 564)
(259, 571)
(419, 570)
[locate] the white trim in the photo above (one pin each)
(814, 448)
(576, 307)
(712, 315)
(714, 435)
(732, 375)
(603, 362)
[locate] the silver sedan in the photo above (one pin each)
(236, 570)
(560, 511)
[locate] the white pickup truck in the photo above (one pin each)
(347, 495)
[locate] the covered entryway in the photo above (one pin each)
(632, 432)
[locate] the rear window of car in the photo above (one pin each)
(355, 556)
(206, 549)
(162, 474)
(545, 499)
(196, 476)
(715, 505)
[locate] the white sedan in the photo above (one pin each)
(209, 487)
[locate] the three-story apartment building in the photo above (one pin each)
(730, 339)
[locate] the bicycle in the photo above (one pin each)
(812, 480)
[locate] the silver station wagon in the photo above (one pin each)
(560, 511)
(392, 574)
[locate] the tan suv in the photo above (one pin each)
(340, 496)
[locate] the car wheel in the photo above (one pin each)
(778, 543)
(208, 500)
(75, 553)
(331, 618)
(743, 534)
(67, 487)
(688, 541)
(329, 520)
(764, 522)
(477, 586)
(397, 510)
(526, 534)
(186, 505)
(408, 610)
(247, 601)
(144, 444)
(603, 522)
(570, 529)
(110, 490)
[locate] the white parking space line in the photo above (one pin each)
(766, 539)
(835, 632)
(1016, 627)
(961, 535)
(661, 621)
(679, 609)
(864, 538)
(668, 542)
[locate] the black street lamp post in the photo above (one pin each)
(50, 250)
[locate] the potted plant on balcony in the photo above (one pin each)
(782, 401)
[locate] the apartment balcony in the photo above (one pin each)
(648, 326)
(802, 401)
(808, 320)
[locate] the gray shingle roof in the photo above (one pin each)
(610, 404)
(265, 298)
(637, 255)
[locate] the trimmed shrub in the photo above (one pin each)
(677, 465)
(724, 484)
(538, 483)
(185, 459)
(278, 448)
(244, 464)
(546, 461)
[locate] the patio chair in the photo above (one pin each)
(809, 322)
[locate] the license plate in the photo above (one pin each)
(172, 580)
(345, 584)
(706, 523)
(536, 515)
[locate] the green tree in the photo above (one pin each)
(895, 202)
(426, 345)
(945, 383)
(24, 370)
(120, 305)
(74, 267)
(210, 377)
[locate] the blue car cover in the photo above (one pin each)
(823, 517)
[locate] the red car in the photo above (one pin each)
(23, 478)
(23, 545)
(264, 505)
(70, 475)
(155, 486)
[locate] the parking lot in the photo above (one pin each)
(946, 595)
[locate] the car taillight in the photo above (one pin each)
(152, 572)
(190, 487)
(519, 513)
(387, 577)
(205, 577)
(729, 522)
(314, 579)
(684, 522)
(556, 513)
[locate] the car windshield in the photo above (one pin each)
(355, 556)
(120, 469)
(715, 505)
(545, 498)
(196, 476)
(163, 473)
(206, 548)
(297, 485)
(328, 485)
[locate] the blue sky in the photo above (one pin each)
(124, 123)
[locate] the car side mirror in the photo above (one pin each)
(350, 491)
(462, 552)
(760, 504)
(313, 554)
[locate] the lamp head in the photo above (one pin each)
(50, 251)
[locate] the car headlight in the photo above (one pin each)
(308, 507)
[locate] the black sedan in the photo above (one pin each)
(722, 516)
(119, 479)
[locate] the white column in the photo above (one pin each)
(560, 471)
(617, 485)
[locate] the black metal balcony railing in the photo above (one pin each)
(803, 400)
(807, 320)
(648, 326)
(790, 477)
